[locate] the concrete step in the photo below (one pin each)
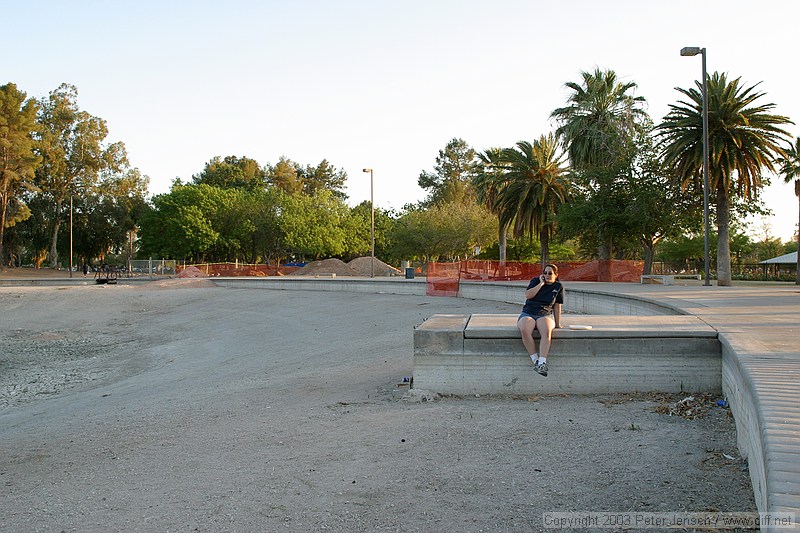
(484, 354)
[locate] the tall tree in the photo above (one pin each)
(488, 181)
(744, 139)
(534, 190)
(73, 154)
(451, 180)
(314, 226)
(180, 225)
(597, 127)
(448, 230)
(285, 175)
(790, 168)
(17, 158)
(324, 177)
(232, 172)
(658, 207)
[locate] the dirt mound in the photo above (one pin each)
(191, 272)
(362, 265)
(326, 267)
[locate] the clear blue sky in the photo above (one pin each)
(376, 83)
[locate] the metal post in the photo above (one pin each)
(372, 223)
(693, 51)
(705, 168)
(707, 278)
(70, 235)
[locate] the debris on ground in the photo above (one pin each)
(690, 407)
(420, 396)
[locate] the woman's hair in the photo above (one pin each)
(552, 267)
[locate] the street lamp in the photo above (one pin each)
(372, 224)
(70, 234)
(693, 51)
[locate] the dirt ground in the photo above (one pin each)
(176, 405)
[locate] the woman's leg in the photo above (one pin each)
(527, 326)
(545, 325)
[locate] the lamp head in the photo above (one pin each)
(367, 170)
(691, 50)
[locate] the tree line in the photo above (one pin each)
(608, 182)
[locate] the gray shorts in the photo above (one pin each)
(534, 317)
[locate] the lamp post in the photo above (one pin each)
(372, 223)
(693, 51)
(70, 234)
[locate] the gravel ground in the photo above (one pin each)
(180, 406)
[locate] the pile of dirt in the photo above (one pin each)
(191, 272)
(326, 267)
(363, 265)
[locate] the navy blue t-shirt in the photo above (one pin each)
(544, 300)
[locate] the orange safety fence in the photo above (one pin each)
(443, 278)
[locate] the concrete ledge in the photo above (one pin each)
(381, 285)
(667, 279)
(576, 301)
(483, 354)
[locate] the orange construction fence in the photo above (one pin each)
(443, 278)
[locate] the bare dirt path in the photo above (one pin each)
(179, 406)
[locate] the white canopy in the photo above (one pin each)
(787, 259)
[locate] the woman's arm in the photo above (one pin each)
(530, 293)
(557, 314)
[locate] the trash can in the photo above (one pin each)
(409, 273)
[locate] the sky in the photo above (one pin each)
(379, 84)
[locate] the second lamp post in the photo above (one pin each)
(372, 222)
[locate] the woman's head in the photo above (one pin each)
(550, 272)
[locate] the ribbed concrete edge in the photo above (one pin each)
(762, 390)
(763, 395)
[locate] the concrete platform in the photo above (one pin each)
(484, 354)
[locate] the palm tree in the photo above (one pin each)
(790, 168)
(597, 127)
(534, 189)
(487, 182)
(743, 138)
